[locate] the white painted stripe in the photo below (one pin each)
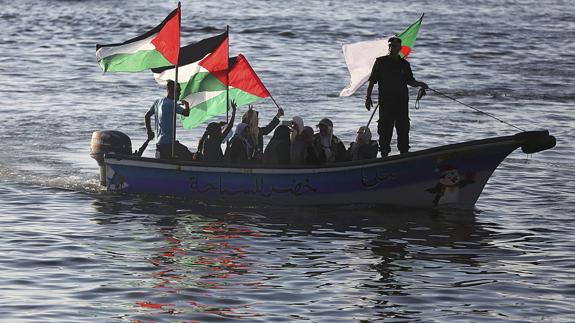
(140, 45)
(201, 97)
(184, 73)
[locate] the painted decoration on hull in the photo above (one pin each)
(116, 182)
(450, 182)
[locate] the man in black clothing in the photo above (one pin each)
(393, 74)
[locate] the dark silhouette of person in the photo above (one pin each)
(277, 151)
(210, 145)
(241, 147)
(303, 150)
(392, 74)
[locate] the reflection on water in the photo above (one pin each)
(210, 263)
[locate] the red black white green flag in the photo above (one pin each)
(156, 48)
(203, 75)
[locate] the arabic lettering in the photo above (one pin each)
(379, 177)
(258, 187)
(194, 186)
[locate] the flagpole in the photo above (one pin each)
(176, 85)
(175, 110)
(372, 114)
(228, 75)
(271, 97)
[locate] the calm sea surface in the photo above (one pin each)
(69, 252)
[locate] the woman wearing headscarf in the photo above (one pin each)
(277, 151)
(363, 147)
(240, 148)
(330, 148)
(257, 133)
(303, 150)
(296, 125)
(210, 145)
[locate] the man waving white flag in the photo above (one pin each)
(359, 57)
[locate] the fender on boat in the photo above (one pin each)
(535, 141)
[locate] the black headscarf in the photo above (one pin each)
(277, 151)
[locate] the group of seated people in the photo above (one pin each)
(291, 144)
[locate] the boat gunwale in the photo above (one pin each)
(517, 140)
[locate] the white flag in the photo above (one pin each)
(359, 58)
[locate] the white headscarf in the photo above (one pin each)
(326, 143)
(363, 135)
(298, 127)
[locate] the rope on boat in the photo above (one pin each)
(467, 105)
(420, 94)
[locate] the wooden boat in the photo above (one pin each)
(453, 175)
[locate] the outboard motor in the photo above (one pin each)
(106, 142)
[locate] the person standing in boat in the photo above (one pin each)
(257, 133)
(163, 111)
(393, 74)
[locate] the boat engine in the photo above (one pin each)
(106, 142)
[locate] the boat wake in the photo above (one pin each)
(48, 175)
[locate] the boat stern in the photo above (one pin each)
(105, 142)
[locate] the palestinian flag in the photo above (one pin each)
(209, 74)
(408, 37)
(245, 87)
(189, 65)
(158, 47)
(203, 75)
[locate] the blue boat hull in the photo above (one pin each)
(453, 175)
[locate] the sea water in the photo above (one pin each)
(71, 252)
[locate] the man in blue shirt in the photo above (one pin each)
(163, 111)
